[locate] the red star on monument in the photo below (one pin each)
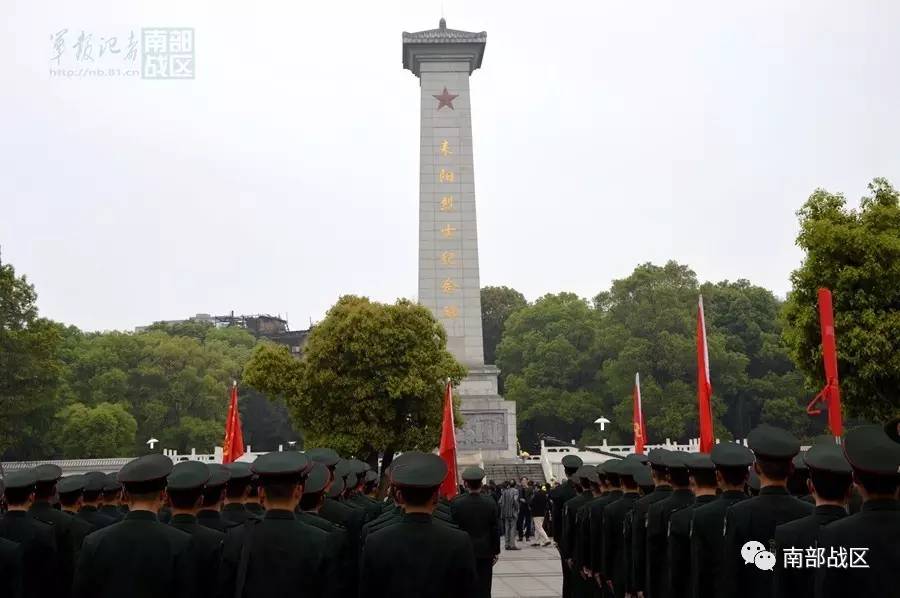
(445, 99)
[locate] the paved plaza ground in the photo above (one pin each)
(532, 572)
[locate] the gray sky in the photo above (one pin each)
(606, 134)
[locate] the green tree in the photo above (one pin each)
(497, 304)
(105, 430)
(550, 357)
(856, 254)
(29, 367)
(371, 379)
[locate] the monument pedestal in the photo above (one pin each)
(489, 421)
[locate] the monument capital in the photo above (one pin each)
(443, 45)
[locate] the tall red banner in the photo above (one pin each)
(637, 417)
(704, 386)
(233, 447)
(831, 393)
(447, 450)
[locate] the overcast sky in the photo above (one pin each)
(285, 174)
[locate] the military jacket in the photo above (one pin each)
(800, 534)
(415, 558)
(478, 516)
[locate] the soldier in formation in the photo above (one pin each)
(668, 525)
(678, 525)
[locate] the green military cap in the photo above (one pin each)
(188, 475)
(357, 468)
(699, 462)
(640, 458)
(47, 473)
(632, 468)
(371, 476)
(239, 471)
(826, 457)
(112, 484)
(675, 460)
(20, 479)
(642, 476)
(614, 466)
(94, 481)
(572, 461)
(317, 479)
(343, 468)
(587, 472)
(731, 454)
(892, 429)
(144, 469)
(71, 484)
(774, 443)
(325, 456)
(337, 486)
(753, 480)
(218, 475)
(824, 439)
(870, 450)
(657, 457)
(473, 474)
(419, 470)
(799, 462)
(281, 463)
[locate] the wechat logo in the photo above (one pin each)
(754, 552)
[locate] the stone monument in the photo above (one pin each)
(443, 59)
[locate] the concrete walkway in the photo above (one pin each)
(531, 572)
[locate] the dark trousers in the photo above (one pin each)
(523, 525)
(567, 582)
(484, 569)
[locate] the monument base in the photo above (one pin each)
(489, 421)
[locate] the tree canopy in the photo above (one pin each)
(497, 304)
(856, 254)
(371, 379)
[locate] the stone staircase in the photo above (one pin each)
(513, 470)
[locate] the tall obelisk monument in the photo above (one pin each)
(443, 59)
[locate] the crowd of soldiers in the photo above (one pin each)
(740, 522)
(666, 525)
(289, 524)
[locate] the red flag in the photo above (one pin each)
(637, 418)
(831, 394)
(234, 438)
(447, 450)
(704, 386)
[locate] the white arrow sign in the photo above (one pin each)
(152, 443)
(602, 421)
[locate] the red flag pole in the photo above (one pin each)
(447, 450)
(637, 418)
(831, 393)
(704, 386)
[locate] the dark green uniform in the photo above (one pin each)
(112, 513)
(679, 547)
(206, 548)
(596, 521)
(707, 544)
(803, 534)
(235, 514)
(876, 527)
(70, 533)
(339, 555)
(94, 517)
(417, 557)
(568, 541)
(139, 557)
(639, 534)
(558, 498)
(39, 553)
(756, 519)
(213, 520)
(478, 516)
(616, 552)
(10, 569)
(874, 454)
(657, 540)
